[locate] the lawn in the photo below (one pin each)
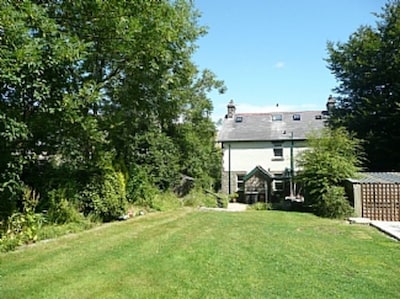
(198, 254)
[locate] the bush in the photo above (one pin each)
(140, 190)
(333, 204)
(61, 210)
(22, 228)
(104, 196)
(333, 156)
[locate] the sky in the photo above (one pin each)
(271, 52)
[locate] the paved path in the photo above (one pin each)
(232, 207)
(391, 228)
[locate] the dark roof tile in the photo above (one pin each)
(377, 178)
(261, 126)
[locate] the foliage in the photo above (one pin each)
(140, 188)
(260, 206)
(12, 161)
(166, 201)
(366, 67)
(158, 157)
(22, 228)
(197, 198)
(52, 231)
(333, 156)
(62, 210)
(104, 195)
(89, 82)
(334, 204)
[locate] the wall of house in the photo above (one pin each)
(245, 156)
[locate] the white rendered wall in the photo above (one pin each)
(244, 156)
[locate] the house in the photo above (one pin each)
(375, 195)
(260, 150)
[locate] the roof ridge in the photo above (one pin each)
(277, 112)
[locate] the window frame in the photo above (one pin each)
(277, 151)
(277, 117)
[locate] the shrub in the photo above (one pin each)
(140, 190)
(22, 228)
(333, 156)
(104, 196)
(334, 204)
(61, 210)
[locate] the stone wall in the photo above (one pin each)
(225, 181)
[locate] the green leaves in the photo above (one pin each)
(334, 156)
(86, 83)
(366, 67)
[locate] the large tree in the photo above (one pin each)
(90, 87)
(367, 69)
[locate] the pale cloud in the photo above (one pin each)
(279, 65)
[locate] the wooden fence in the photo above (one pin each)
(381, 201)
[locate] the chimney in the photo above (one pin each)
(231, 109)
(330, 105)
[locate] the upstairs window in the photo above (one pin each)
(296, 117)
(277, 117)
(278, 151)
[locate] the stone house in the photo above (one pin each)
(260, 150)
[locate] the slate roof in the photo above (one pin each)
(377, 178)
(259, 169)
(262, 127)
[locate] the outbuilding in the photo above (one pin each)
(375, 195)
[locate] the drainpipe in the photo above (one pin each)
(291, 165)
(229, 169)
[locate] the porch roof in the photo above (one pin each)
(259, 169)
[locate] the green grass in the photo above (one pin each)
(193, 254)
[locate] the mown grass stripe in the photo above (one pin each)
(193, 254)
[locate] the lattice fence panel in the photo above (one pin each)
(381, 201)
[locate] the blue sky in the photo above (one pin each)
(272, 52)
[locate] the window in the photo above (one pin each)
(278, 151)
(296, 117)
(240, 182)
(278, 185)
(238, 119)
(319, 116)
(277, 117)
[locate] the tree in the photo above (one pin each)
(37, 65)
(92, 89)
(333, 156)
(367, 68)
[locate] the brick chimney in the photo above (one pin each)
(330, 105)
